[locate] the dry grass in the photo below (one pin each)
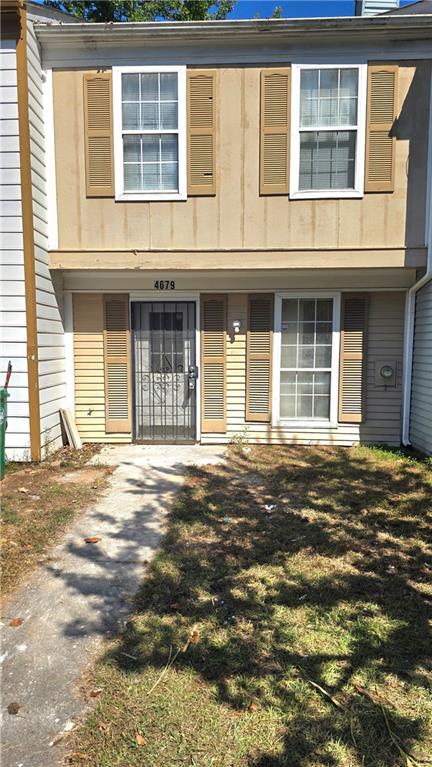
(331, 588)
(38, 501)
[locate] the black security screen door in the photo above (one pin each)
(163, 337)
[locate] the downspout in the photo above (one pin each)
(411, 295)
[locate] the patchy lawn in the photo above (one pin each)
(38, 501)
(284, 621)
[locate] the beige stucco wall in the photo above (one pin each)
(237, 217)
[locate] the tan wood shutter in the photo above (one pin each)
(213, 363)
(275, 123)
(354, 318)
(381, 114)
(201, 117)
(98, 134)
(117, 364)
(259, 358)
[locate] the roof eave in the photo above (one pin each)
(399, 27)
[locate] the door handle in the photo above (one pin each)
(192, 376)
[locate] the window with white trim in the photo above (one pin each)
(150, 143)
(329, 105)
(306, 358)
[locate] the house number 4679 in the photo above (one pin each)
(164, 285)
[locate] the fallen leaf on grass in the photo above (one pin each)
(253, 706)
(92, 539)
(139, 740)
(95, 693)
(13, 708)
(16, 622)
(194, 637)
(104, 727)
(24, 490)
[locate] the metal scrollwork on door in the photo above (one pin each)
(163, 335)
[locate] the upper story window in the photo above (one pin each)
(328, 131)
(149, 132)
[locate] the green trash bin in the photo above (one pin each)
(4, 394)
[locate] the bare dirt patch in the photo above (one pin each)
(38, 502)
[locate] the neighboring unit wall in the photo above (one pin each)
(421, 398)
(13, 311)
(373, 7)
(52, 377)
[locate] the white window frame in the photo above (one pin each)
(306, 423)
(314, 194)
(120, 193)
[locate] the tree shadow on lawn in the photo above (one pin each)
(329, 586)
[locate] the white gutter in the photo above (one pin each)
(411, 295)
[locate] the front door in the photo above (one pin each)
(164, 371)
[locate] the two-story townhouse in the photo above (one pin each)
(237, 211)
(31, 328)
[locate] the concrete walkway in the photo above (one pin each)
(82, 595)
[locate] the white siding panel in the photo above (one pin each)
(10, 191)
(9, 159)
(8, 127)
(9, 143)
(7, 76)
(20, 364)
(13, 317)
(13, 303)
(52, 366)
(9, 273)
(421, 393)
(12, 288)
(17, 409)
(10, 224)
(14, 335)
(9, 111)
(52, 377)
(12, 240)
(11, 258)
(8, 94)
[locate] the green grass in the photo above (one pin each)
(330, 588)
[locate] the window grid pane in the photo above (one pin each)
(306, 352)
(149, 111)
(328, 128)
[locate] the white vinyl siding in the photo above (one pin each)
(13, 311)
(52, 365)
(374, 7)
(421, 388)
